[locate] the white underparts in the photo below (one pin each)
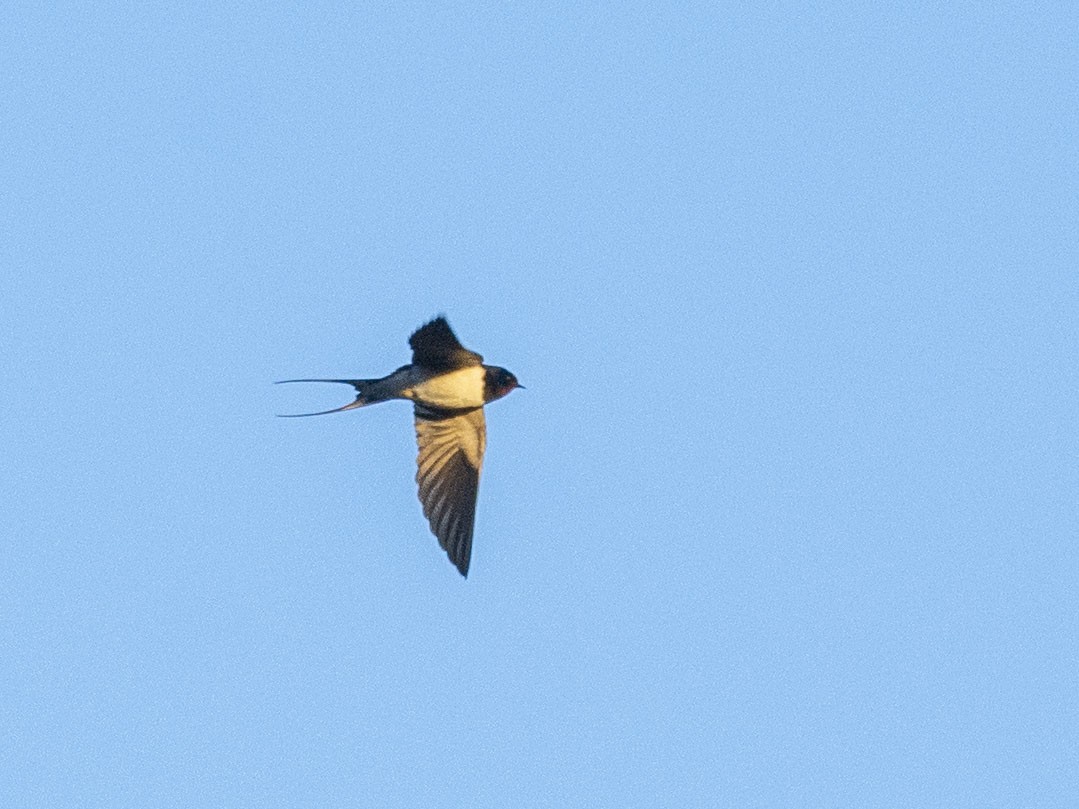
(455, 390)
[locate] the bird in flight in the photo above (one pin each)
(448, 386)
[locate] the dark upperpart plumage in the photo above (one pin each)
(435, 346)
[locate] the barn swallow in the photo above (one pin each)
(448, 386)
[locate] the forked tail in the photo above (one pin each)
(363, 396)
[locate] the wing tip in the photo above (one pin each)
(464, 557)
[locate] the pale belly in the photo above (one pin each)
(455, 390)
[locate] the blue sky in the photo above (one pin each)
(786, 516)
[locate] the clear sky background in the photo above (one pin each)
(787, 515)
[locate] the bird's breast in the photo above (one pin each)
(452, 390)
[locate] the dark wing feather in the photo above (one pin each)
(435, 346)
(448, 474)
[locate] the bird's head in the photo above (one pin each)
(498, 383)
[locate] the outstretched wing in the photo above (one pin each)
(435, 346)
(448, 473)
